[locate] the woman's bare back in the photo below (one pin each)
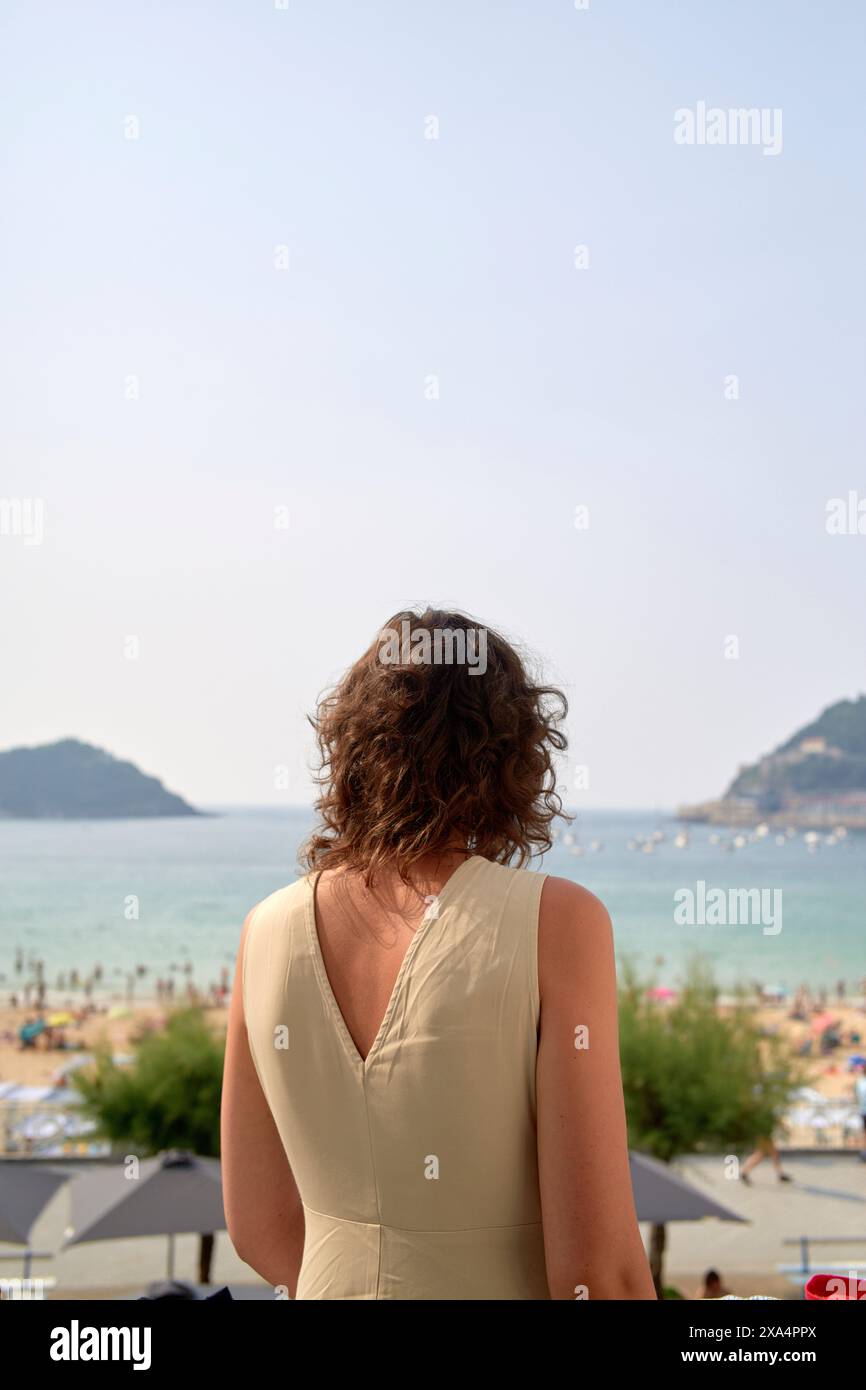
(364, 934)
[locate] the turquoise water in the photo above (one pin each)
(65, 886)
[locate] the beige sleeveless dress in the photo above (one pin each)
(417, 1167)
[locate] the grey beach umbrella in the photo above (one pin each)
(25, 1191)
(174, 1194)
(661, 1196)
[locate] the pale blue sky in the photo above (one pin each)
(154, 258)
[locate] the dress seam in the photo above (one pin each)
(421, 1230)
(534, 914)
(375, 1177)
(534, 936)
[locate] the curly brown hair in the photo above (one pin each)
(419, 754)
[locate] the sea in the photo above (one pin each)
(149, 899)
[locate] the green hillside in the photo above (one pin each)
(843, 725)
(828, 755)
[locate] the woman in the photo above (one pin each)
(422, 1096)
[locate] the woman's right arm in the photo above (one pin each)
(592, 1242)
(264, 1215)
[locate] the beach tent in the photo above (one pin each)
(822, 1023)
(56, 1124)
(174, 1194)
(14, 1094)
(660, 1195)
(29, 1032)
(809, 1096)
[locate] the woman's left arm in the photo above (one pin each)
(264, 1215)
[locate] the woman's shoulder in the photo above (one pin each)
(277, 905)
(563, 899)
(573, 926)
(563, 903)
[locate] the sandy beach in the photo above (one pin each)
(827, 1075)
(42, 1066)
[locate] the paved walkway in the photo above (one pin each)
(826, 1198)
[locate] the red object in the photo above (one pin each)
(830, 1288)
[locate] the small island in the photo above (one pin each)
(816, 779)
(71, 780)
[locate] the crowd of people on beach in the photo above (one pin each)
(83, 995)
(32, 986)
(829, 1030)
(80, 995)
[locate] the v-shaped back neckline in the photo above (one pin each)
(362, 1063)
